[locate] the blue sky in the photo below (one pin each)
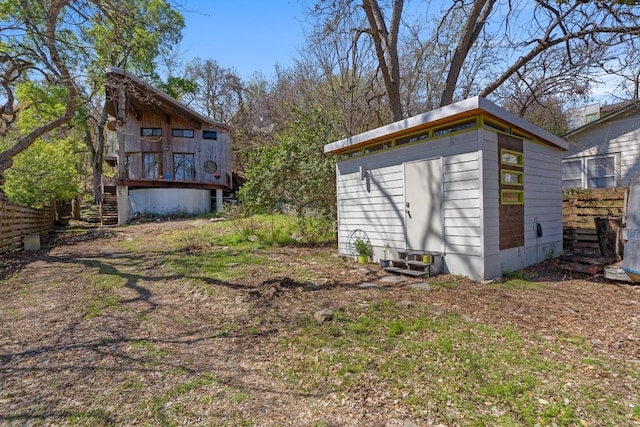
(246, 35)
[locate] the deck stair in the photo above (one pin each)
(109, 209)
(416, 263)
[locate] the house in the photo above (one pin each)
(604, 153)
(170, 158)
(469, 182)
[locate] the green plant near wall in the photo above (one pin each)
(363, 247)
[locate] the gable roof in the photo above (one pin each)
(611, 115)
(449, 113)
(144, 97)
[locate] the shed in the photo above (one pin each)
(469, 182)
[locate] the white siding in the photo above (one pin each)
(470, 182)
(376, 204)
(543, 203)
(491, 204)
(619, 136)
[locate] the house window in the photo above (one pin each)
(151, 165)
(184, 167)
(151, 132)
(209, 134)
(601, 172)
(590, 172)
(182, 133)
(572, 173)
(592, 117)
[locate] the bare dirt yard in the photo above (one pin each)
(102, 327)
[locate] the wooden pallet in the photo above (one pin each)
(585, 264)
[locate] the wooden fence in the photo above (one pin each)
(19, 221)
(581, 208)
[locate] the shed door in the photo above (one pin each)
(423, 205)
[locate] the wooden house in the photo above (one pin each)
(469, 183)
(604, 153)
(170, 158)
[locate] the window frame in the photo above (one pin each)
(182, 133)
(505, 192)
(210, 132)
(157, 165)
(519, 158)
(154, 132)
(193, 167)
(585, 178)
(519, 179)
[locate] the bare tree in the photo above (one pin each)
(218, 89)
(509, 34)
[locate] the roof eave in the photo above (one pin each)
(451, 112)
(166, 98)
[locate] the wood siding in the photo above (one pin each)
(166, 146)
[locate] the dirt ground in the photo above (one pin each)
(59, 365)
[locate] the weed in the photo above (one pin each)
(513, 275)
(239, 397)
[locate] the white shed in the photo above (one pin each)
(470, 182)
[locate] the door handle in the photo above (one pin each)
(407, 210)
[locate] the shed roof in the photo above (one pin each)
(144, 97)
(449, 113)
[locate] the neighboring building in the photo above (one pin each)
(604, 153)
(470, 181)
(170, 158)
(578, 117)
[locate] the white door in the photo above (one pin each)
(423, 205)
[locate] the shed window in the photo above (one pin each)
(377, 147)
(209, 134)
(183, 133)
(456, 127)
(184, 167)
(512, 197)
(511, 177)
(413, 138)
(150, 131)
(512, 158)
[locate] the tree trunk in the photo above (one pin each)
(386, 43)
(475, 22)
